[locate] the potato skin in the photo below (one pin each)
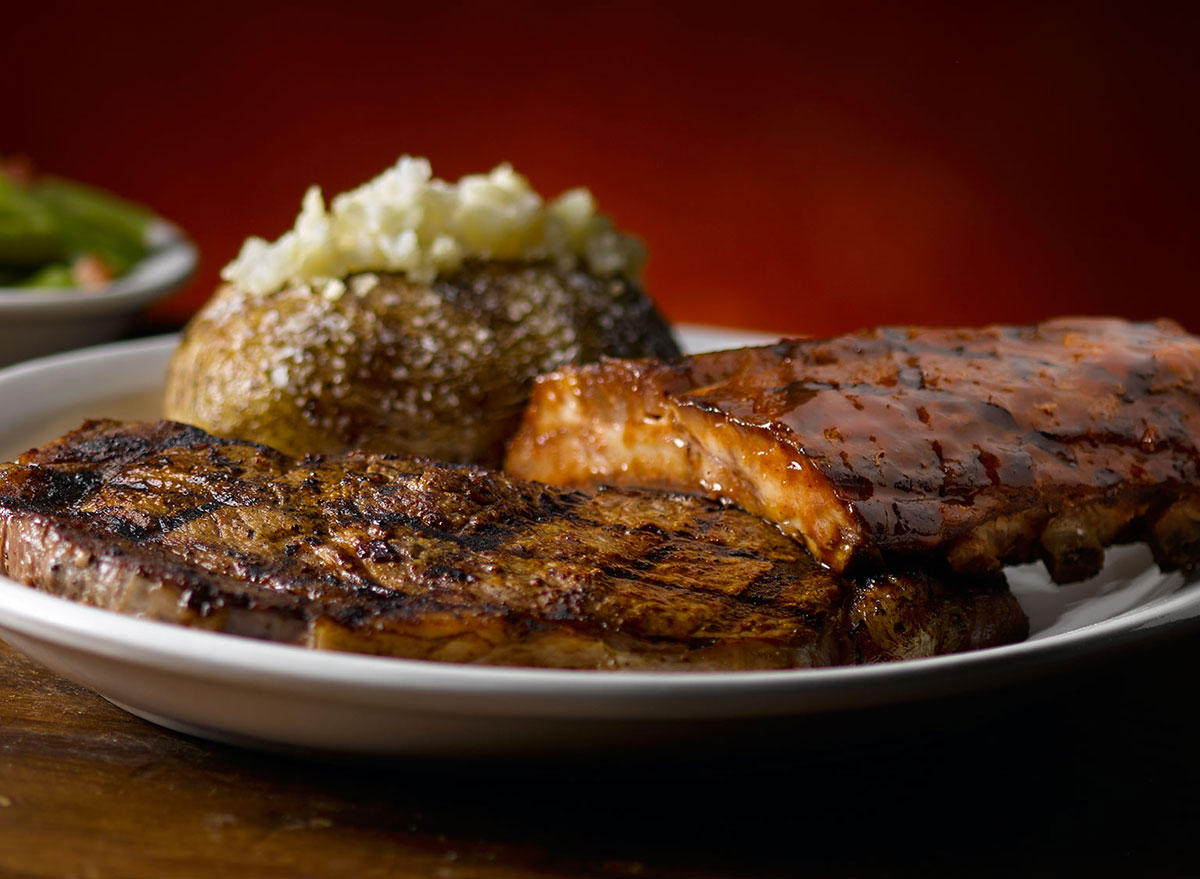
(441, 370)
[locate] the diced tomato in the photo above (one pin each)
(91, 272)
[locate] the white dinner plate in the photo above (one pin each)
(252, 692)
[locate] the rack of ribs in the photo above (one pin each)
(405, 557)
(980, 447)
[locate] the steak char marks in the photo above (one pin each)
(405, 557)
(984, 447)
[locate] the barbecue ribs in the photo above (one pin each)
(981, 446)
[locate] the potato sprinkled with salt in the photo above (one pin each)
(411, 317)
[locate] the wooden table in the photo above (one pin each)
(1089, 771)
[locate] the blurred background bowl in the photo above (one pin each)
(34, 322)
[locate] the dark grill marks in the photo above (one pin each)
(170, 523)
(45, 489)
(109, 521)
(411, 558)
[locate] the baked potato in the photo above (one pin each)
(380, 362)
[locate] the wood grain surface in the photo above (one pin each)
(1092, 769)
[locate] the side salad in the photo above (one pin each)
(59, 233)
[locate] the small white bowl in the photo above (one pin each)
(41, 321)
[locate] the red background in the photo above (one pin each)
(810, 171)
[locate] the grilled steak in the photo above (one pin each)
(988, 446)
(401, 556)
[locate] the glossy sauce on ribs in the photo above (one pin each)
(990, 446)
(406, 557)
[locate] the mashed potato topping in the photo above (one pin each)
(407, 221)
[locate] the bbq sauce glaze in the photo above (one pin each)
(925, 432)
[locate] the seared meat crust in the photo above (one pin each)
(989, 446)
(402, 556)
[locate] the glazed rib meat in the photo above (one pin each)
(981, 446)
(401, 556)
